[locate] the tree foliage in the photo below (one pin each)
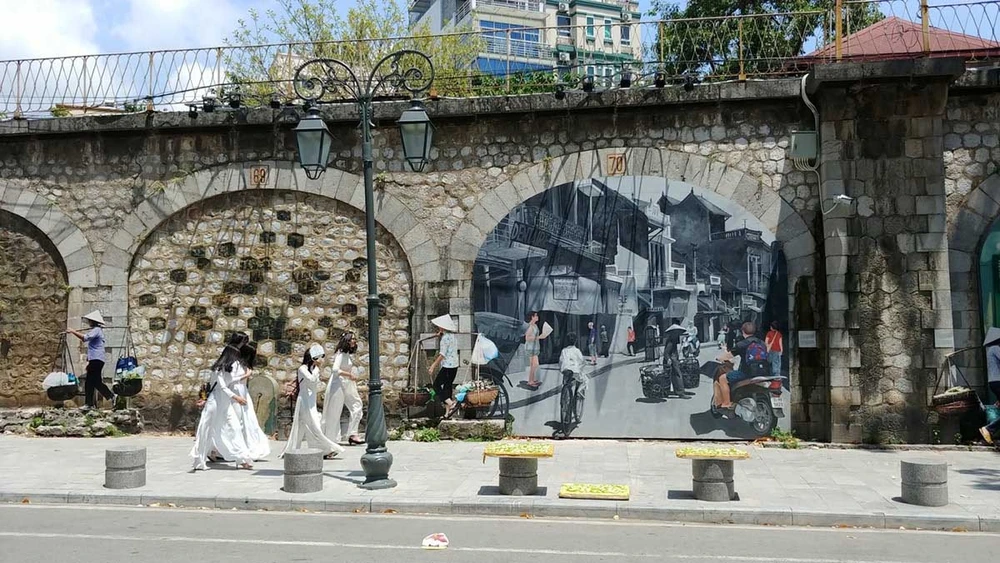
(727, 38)
(308, 29)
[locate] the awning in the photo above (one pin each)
(571, 295)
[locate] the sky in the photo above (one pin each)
(59, 28)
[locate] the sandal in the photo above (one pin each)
(450, 411)
(246, 465)
(330, 455)
(355, 441)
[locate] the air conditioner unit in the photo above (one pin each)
(564, 7)
(564, 57)
(626, 16)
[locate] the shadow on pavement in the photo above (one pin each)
(494, 491)
(705, 423)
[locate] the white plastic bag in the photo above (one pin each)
(484, 351)
(56, 379)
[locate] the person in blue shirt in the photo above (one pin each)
(992, 344)
(94, 338)
(447, 358)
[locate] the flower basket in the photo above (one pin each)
(61, 393)
(128, 387)
(414, 397)
(954, 395)
(956, 407)
(481, 397)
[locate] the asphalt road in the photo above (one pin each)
(41, 534)
(615, 407)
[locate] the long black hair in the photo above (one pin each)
(231, 353)
(248, 354)
(307, 360)
(345, 345)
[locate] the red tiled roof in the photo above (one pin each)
(896, 37)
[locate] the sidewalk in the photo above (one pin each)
(806, 487)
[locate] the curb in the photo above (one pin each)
(877, 447)
(524, 506)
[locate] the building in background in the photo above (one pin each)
(595, 37)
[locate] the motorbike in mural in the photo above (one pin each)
(618, 262)
(758, 402)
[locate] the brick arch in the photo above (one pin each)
(727, 180)
(967, 229)
(421, 252)
(71, 246)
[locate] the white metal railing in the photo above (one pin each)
(715, 48)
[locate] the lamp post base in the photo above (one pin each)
(376, 464)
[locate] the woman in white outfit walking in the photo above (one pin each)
(255, 438)
(220, 428)
(343, 391)
(306, 424)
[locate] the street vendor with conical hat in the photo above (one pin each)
(447, 358)
(94, 382)
(992, 345)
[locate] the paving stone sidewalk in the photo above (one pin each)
(809, 487)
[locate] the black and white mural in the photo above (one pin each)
(617, 302)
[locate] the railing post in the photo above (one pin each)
(17, 93)
(149, 89)
(838, 33)
(508, 60)
(83, 76)
(925, 25)
(743, 73)
(217, 75)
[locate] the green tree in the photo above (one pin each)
(267, 47)
(733, 39)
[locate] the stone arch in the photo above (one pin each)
(391, 214)
(724, 179)
(285, 266)
(968, 227)
(69, 242)
(34, 306)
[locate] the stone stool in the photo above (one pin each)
(924, 482)
(518, 476)
(125, 467)
(712, 479)
(303, 471)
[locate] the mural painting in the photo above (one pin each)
(632, 292)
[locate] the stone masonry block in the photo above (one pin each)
(931, 242)
(837, 301)
(82, 258)
(508, 195)
(841, 246)
(836, 265)
(414, 238)
(423, 253)
(929, 205)
(494, 206)
(982, 203)
(730, 180)
(431, 271)
(387, 208)
(72, 243)
(83, 277)
(959, 261)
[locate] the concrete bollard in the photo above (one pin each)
(303, 471)
(518, 476)
(125, 467)
(924, 482)
(712, 479)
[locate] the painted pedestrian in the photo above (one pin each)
(532, 347)
(775, 344)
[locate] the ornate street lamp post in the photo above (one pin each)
(331, 80)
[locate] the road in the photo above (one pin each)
(41, 534)
(616, 408)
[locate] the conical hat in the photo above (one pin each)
(992, 336)
(316, 351)
(445, 322)
(95, 316)
(676, 327)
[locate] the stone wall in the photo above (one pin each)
(33, 298)
(110, 195)
(288, 268)
(889, 299)
(972, 182)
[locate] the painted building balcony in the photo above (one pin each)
(660, 280)
(745, 234)
(540, 228)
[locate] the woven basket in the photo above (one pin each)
(414, 397)
(481, 397)
(947, 398)
(957, 407)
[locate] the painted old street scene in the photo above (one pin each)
(582, 279)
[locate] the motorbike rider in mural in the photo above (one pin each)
(753, 363)
(690, 345)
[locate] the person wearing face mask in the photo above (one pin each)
(306, 423)
(341, 391)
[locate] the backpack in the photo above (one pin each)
(755, 359)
